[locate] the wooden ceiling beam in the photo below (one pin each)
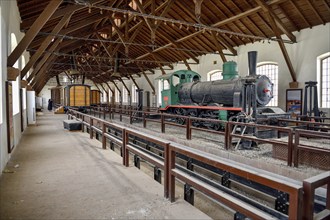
(300, 14)
(326, 5)
(33, 31)
(283, 49)
(104, 46)
(247, 17)
(278, 22)
(77, 26)
(315, 12)
(288, 17)
(169, 4)
(149, 23)
(133, 80)
(217, 44)
(45, 44)
(113, 92)
(26, 23)
(122, 81)
(42, 73)
(113, 82)
(186, 64)
(44, 58)
(47, 55)
(148, 80)
(119, 33)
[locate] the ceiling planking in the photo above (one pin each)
(107, 40)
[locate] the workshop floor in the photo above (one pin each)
(57, 174)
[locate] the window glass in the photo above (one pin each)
(125, 95)
(325, 82)
(134, 94)
(18, 79)
(271, 71)
(117, 95)
(216, 76)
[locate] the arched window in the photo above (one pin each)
(24, 90)
(125, 95)
(117, 95)
(105, 97)
(271, 71)
(16, 82)
(324, 79)
(134, 93)
(214, 75)
(110, 95)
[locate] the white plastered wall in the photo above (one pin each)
(10, 21)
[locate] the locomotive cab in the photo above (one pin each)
(170, 85)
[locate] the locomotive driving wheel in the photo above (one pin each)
(180, 111)
(193, 113)
(216, 126)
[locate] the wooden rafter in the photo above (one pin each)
(217, 44)
(45, 44)
(283, 49)
(300, 14)
(315, 12)
(33, 31)
(277, 20)
(148, 80)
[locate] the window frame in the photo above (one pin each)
(117, 95)
(16, 83)
(125, 95)
(326, 103)
(213, 72)
(134, 93)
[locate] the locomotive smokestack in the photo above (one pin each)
(252, 59)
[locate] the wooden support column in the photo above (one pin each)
(163, 71)
(113, 92)
(106, 92)
(12, 73)
(187, 64)
(33, 31)
(97, 87)
(283, 49)
(148, 80)
(218, 46)
(44, 59)
(58, 80)
(137, 86)
(277, 21)
(198, 8)
(122, 81)
(24, 84)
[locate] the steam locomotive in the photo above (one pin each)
(184, 94)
